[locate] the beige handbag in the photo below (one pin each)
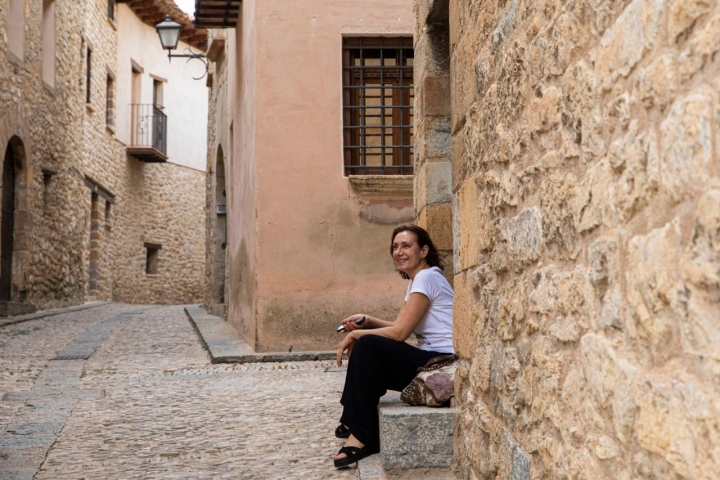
(434, 384)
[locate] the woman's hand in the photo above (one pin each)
(348, 344)
(349, 323)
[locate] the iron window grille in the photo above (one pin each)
(378, 105)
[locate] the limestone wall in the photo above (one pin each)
(69, 248)
(587, 211)
(44, 121)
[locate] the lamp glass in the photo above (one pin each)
(169, 33)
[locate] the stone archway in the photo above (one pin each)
(7, 223)
(15, 225)
(220, 227)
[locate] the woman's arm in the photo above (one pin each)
(400, 330)
(370, 322)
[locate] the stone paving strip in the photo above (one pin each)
(148, 403)
(225, 346)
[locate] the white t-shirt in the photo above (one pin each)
(434, 332)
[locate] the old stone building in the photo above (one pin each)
(310, 156)
(584, 144)
(104, 146)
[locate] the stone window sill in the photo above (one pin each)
(381, 187)
(152, 275)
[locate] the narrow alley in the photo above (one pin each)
(147, 403)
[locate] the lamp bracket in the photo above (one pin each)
(192, 56)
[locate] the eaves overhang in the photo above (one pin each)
(152, 12)
(217, 13)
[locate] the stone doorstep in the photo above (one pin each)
(225, 346)
(414, 437)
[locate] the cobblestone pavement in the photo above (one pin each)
(148, 404)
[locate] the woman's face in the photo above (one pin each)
(406, 253)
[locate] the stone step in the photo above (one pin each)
(414, 437)
(11, 309)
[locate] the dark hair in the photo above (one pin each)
(423, 238)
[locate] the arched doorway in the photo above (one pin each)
(7, 222)
(220, 226)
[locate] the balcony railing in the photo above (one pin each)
(148, 133)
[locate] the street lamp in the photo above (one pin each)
(169, 33)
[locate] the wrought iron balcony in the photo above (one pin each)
(148, 133)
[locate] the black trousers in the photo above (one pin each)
(377, 364)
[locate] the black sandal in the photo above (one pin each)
(342, 431)
(352, 455)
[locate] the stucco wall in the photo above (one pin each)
(587, 203)
(304, 250)
(185, 99)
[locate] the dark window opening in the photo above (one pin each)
(88, 74)
(110, 104)
(378, 105)
(152, 257)
(111, 9)
(48, 186)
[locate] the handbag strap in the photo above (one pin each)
(438, 362)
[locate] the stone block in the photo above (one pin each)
(677, 420)
(437, 220)
(435, 95)
(700, 49)
(436, 137)
(653, 289)
(524, 237)
(463, 87)
(459, 161)
(415, 437)
(464, 318)
(686, 138)
(468, 219)
(611, 380)
(657, 83)
(521, 464)
(624, 44)
(701, 274)
(684, 13)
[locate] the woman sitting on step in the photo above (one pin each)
(379, 358)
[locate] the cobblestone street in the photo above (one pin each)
(147, 403)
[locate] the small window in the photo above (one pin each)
(16, 28)
(152, 256)
(111, 9)
(110, 106)
(48, 186)
(108, 215)
(158, 93)
(378, 105)
(88, 73)
(48, 42)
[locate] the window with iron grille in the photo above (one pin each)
(378, 105)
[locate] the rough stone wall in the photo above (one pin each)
(433, 167)
(62, 141)
(161, 204)
(216, 291)
(51, 226)
(587, 210)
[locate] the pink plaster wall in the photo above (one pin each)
(318, 255)
(242, 84)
